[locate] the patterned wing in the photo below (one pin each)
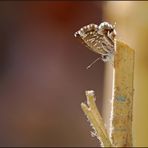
(91, 37)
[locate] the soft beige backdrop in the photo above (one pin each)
(132, 27)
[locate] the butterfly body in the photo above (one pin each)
(99, 39)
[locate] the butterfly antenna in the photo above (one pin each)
(92, 63)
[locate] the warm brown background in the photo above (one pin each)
(43, 73)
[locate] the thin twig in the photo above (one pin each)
(95, 119)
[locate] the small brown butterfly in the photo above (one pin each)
(99, 39)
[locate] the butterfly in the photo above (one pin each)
(99, 39)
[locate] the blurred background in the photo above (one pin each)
(43, 74)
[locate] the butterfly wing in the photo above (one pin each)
(92, 39)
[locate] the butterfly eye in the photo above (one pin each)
(111, 30)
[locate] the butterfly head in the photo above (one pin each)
(107, 29)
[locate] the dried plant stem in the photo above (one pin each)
(122, 100)
(95, 119)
